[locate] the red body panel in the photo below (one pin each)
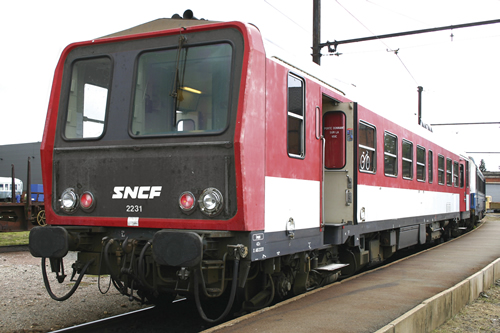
(278, 163)
(249, 157)
(250, 134)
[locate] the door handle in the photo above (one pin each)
(319, 136)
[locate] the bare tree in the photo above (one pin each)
(482, 166)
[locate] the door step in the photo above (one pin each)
(332, 267)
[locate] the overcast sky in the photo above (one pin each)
(460, 73)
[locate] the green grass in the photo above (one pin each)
(14, 238)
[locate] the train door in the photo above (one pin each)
(467, 185)
(464, 197)
(338, 162)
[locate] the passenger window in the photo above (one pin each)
(335, 139)
(390, 154)
(455, 173)
(430, 165)
(295, 121)
(449, 165)
(367, 148)
(407, 157)
(88, 99)
(421, 163)
(441, 169)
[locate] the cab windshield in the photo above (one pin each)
(182, 91)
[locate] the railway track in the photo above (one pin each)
(103, 325)
(180, 316)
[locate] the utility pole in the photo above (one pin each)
(419, 89)
(316, 54)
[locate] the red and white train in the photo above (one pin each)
(182, 159)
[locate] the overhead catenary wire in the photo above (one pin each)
(359, 21)
(289, 18)
(388, 48)
(475, 123)
(407, 69)
(396, 12)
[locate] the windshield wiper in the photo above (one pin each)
(182, 40)
(175, 86)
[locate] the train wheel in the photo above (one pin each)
(284, 282)
(348, 256)
(40, 218)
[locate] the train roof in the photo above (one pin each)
(159, 25)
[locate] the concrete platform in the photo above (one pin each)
(415, 294)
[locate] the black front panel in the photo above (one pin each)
(146, 182)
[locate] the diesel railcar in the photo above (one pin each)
(181, 158)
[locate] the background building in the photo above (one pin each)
(492, 179)
(17, 155)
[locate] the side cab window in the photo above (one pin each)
(296, 117)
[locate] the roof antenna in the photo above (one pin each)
(188, 15)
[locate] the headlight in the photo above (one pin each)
(69, 200)
(211, 201)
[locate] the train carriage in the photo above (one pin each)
(6, 188)
(477, 202)
(182, 159)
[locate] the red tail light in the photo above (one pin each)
(187, 202)
(87, 201)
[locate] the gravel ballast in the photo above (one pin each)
(27, 307)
